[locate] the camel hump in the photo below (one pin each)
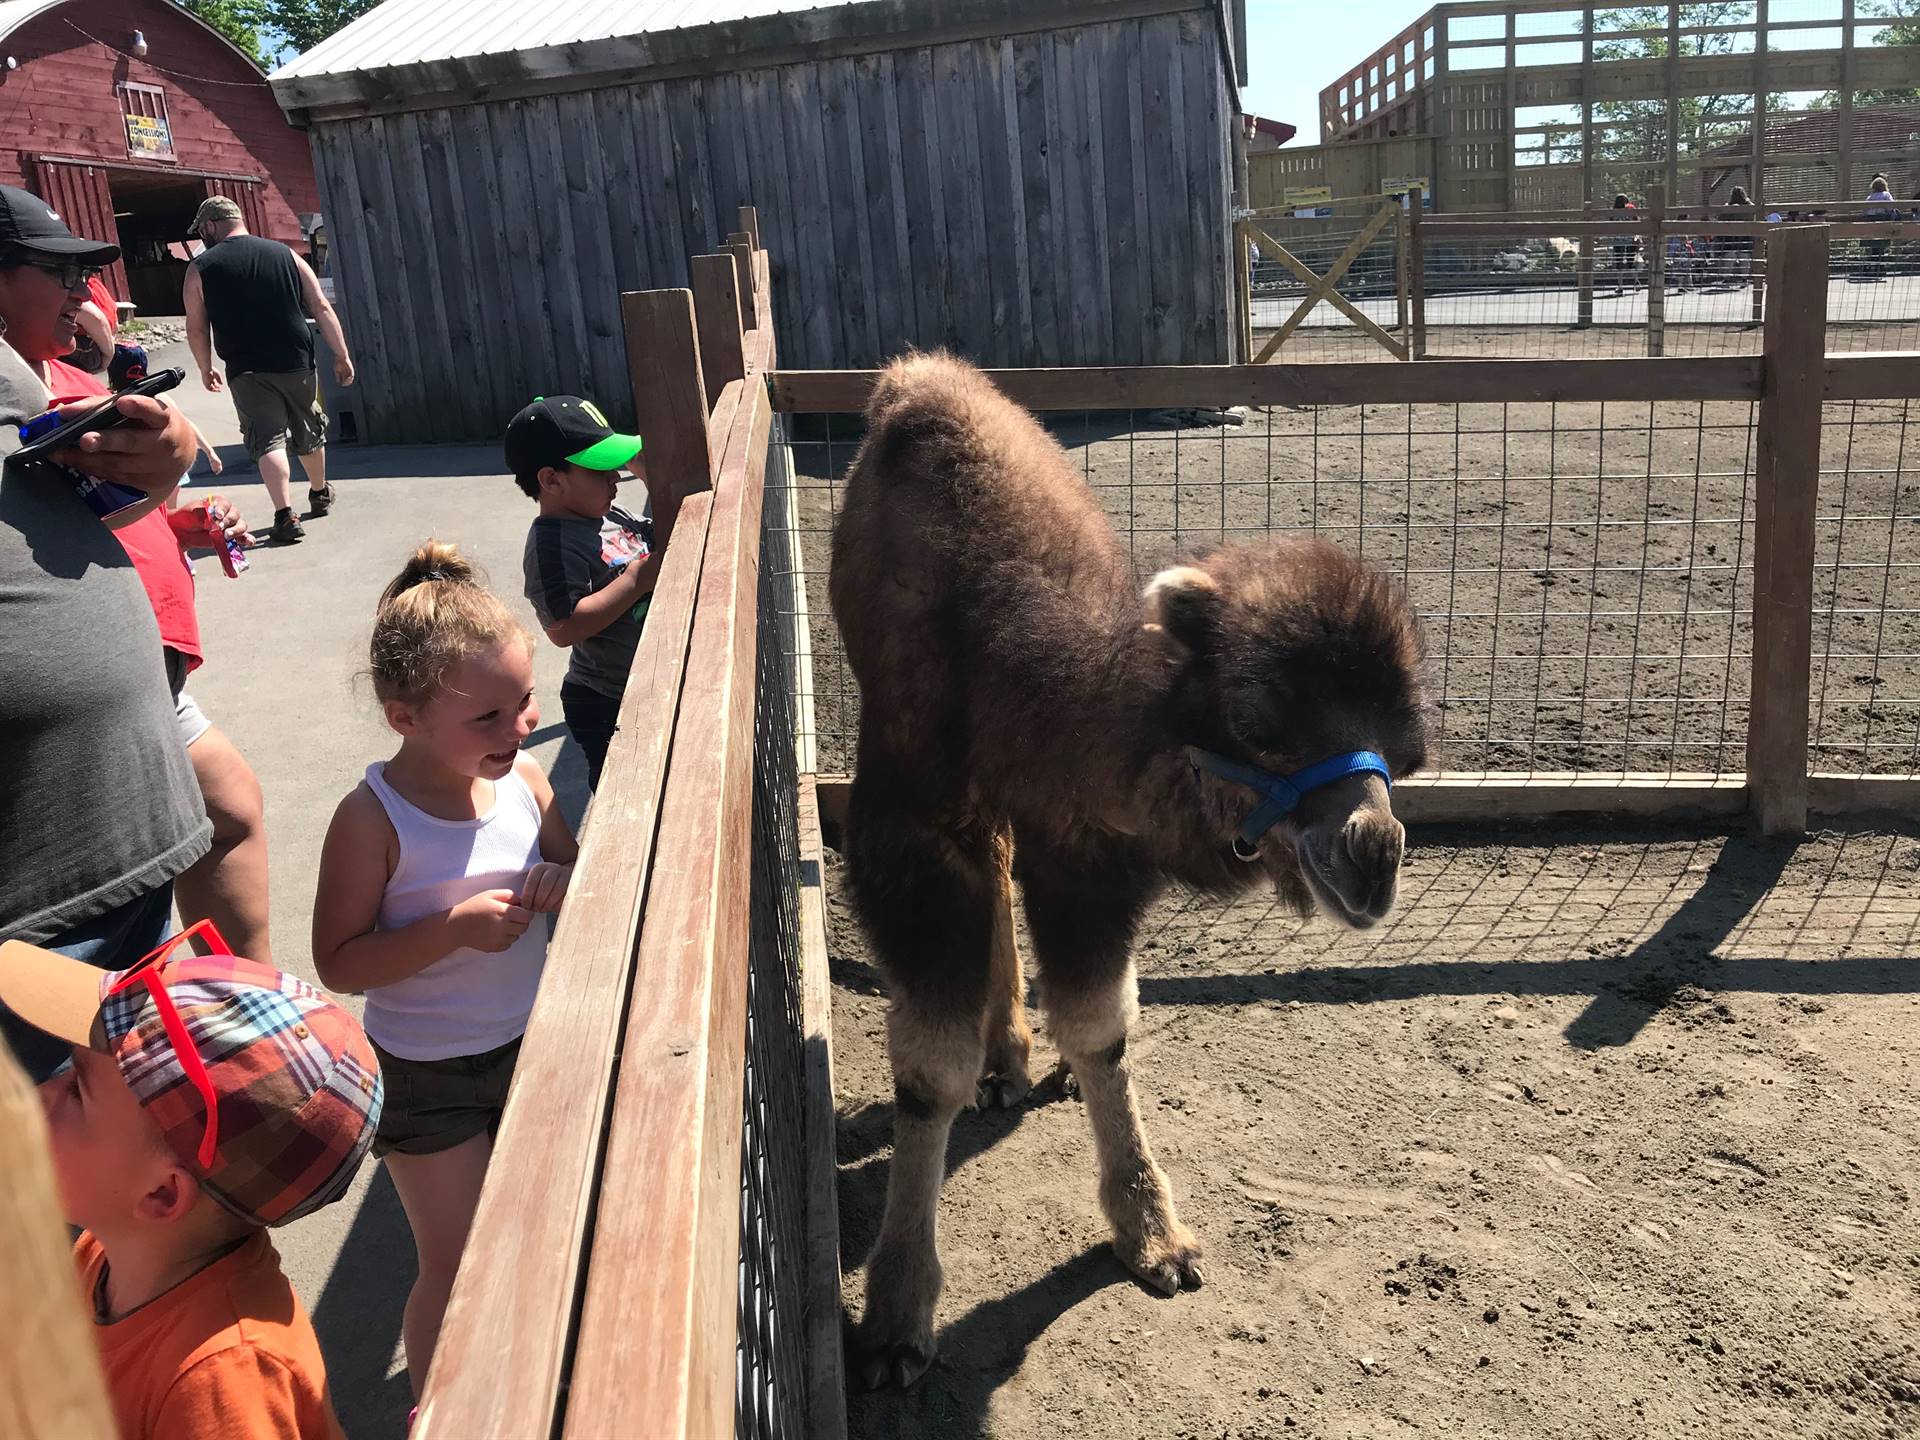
(933, 407)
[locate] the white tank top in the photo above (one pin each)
(468, 1001)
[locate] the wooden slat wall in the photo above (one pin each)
(1055, 198)
(82, 198)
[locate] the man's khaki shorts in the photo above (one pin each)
(279, 411)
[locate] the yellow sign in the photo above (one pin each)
(1309, 195)
(148, 136)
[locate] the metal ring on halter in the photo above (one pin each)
(1279, 794)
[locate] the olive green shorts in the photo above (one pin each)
(279, 411)
(434, 1105)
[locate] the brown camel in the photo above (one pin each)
(1026, 712)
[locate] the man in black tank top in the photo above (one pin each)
(256, 295)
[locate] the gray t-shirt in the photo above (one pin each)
(98, 802)
(567, 559)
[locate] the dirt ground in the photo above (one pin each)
(1584, 572)
(1602, 1134)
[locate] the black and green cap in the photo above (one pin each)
(565, 430)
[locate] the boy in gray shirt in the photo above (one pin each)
(590, 566)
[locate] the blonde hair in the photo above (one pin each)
(432, 616)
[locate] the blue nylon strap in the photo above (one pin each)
(1280, 794)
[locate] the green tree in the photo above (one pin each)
(1904, 29)
(302, 24)
(1637, 129)
(238, 20)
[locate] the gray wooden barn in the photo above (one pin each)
(1030, 182)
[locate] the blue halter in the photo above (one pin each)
(1280, 794)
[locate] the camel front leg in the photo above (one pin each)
(1090, 1025)
(1005, 1079)
(936, 1062)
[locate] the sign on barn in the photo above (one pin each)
(148, 136)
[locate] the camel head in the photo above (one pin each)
(1296, 695)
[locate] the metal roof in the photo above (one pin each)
(415, 54)
(410, 32)
(15, 13)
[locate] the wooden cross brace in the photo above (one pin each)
(1321, 287)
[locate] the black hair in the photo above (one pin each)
(530, 484)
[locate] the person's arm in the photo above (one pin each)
(95, 325)
(199, 337)
(356, 861)
(594, 613)
(546, 883)
(321, 309)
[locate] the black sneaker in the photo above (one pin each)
(320, 501)
(286, 527)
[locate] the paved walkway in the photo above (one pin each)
(285, 643)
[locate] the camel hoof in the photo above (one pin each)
(896, 1366)
(1167, 1263)
(1002, 1092)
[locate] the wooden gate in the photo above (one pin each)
(80, 195)
(1322, 286)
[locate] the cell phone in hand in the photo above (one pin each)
(47, 433)
(44, 434)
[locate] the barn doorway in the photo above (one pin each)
(152, 212)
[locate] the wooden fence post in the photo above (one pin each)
(1243, 276)
(1757, 273)
(716, 311)
(740, 243)
(669, 393)
(1416, 276)
(50, 1382)
(750, 225)
(1403, 249)
(1655, 229)
(1786, 480)
(1583, 275)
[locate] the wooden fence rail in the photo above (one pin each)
(1790, 382)
(599, 1294)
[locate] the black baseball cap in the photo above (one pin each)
(565, 430)
(28, 223)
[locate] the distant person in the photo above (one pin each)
(207, 1099)
(1874, 250)
(256, 295)
(433, 873)
(590, 566)
(1623, 245)
(1736, 251)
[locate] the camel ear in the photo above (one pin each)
(1183, 601)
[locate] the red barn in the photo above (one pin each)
(125, 114)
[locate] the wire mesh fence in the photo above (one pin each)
(1584, 570)
(1526, 296)
(1866, 620)
(770, 1372)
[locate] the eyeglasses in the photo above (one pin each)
(147, 972)
(71, 274)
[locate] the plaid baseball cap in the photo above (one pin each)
(297, 1086)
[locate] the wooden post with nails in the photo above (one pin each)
(1786, 482)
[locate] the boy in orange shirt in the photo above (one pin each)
(208, 1097)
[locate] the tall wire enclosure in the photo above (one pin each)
(771, 1381)
(1584, 571)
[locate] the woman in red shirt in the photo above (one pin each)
(229, 884)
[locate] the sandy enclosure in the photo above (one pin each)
(1597, 1136)
(1605, 1133)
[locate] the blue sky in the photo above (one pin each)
(1294, 47)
